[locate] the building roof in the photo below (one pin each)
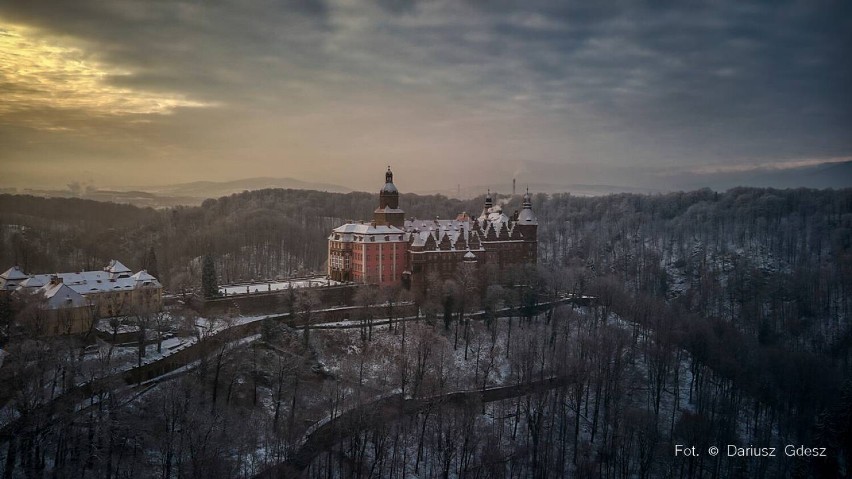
(367, 229)
(388, 209)
(459, 234)
(114, 277)
(116, 267)
(60, 295)
(35, 281)
(350, 232)
(15, 272)
(143, 276)
(493, 215)
(527, 217)
(86, 282)
(10, 278)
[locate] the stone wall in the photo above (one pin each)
(272, 302)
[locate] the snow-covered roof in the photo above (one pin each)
(14, 273)
(459, 234)
(10, 278)
(388, 209)
(60, 295)
(389, 188)
(143, 276)
(367, 228)
(87, 282)
(493, 225)
(469, 256)
(494, 214)
(377, 233)
(35, 281)
(116, 267)
(527, 217)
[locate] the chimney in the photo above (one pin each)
(513, 186)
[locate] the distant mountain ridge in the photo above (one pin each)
(824, 175)
(468, 192)
(215, 189)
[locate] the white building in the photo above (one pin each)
(113, 291)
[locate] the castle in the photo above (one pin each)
(391, 250)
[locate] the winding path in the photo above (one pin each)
(74, 398)
(389, 409)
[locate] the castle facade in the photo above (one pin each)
(391, 250)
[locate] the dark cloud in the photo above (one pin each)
(597, 85)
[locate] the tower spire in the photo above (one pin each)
(388, 212)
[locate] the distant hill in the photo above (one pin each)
(215, 189)
(823, 175)
(468, 192)
(186, 194)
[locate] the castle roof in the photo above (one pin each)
(378, 233)
(389, 187)
(527, 217)
(388, 209)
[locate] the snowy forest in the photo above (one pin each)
(717, 319)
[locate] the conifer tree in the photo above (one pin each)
(209, 284)
(151, 263)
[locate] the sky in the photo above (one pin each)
(469, 92)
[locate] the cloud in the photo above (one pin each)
(39, 74)
(303, 87)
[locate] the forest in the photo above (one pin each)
(719, 318)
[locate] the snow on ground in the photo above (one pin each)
(266, 286)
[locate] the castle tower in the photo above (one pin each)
(527, 224)
(388, 212)
(489, 203)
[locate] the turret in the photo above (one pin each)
(388, 212)
(489, 203)
(389, 195)
(527, 224)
